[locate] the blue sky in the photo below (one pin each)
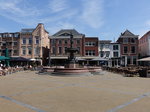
(105, 19)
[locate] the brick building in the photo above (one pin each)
(29, 43)
(144, 45)
(91, 50)
(10, 41)
(60, 41)
(128, 48)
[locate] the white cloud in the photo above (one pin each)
(57, 14)
(14, 11)
(57, 5)
(66, 25)
(93, 13)
(30, 15)
(57, 18)
(58, 26)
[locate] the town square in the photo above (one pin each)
(74, 56)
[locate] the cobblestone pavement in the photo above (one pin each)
(29, 92)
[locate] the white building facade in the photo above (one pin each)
(114, 59)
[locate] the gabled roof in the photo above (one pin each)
(146, 34)
(67, 32)
(127, 33)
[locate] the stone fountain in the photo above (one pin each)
(71, 67)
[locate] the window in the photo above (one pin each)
(4, 44)
(102, 46)
(65, 50)
(29, 50)
(125, 49)
(0, 35)
(24, 41)
(60, 50)
(3, 51)
(23, 51)
(125, 40)
(115, 47)
(37, 50)
(66, 41)
(116, 54)
(132, 49)
(16, 35)
(8, 43)
(134, 59)
(15, 43)
(78, 42)
(101, 53)
(9, 51)
(37, 41)
(78, 50)
(59, 42)
(10, 35)
(132, 40)
(53, 42)
(107, 53)
(4, 35)
(15, 51)
(128, 60)
(30, 40)
(107, 46)
(90, 53)
(89, 43)
(53, 50)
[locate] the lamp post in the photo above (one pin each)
(7, 56)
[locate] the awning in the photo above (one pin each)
(100, 59)
(61, 57)
(144, 59)
(4, 58)
(89, 57)
(19, 59)
(80, 59)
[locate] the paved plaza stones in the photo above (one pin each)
(29, 92)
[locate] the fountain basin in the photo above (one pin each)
(72, 71)
(47, 69)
